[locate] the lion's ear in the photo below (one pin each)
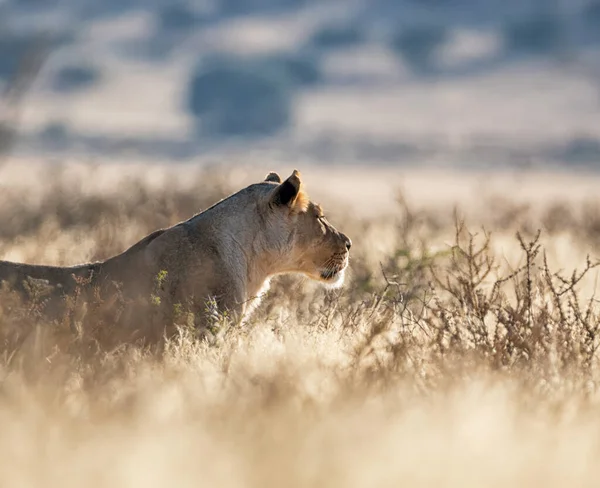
(289, 192)
(273, 177)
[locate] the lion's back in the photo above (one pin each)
(16, 275)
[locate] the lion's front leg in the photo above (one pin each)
(213, 296)
(218, 310)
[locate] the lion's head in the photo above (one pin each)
(301, 237)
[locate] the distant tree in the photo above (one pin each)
(177, 17)
(299, 70)
(238, 7)
(233, 97)
(20, 75)
(75, 77)
(591, 16)
(433, 3)
(337, 36)
(417, 45)
(542, 33)
(16, 46)
(581, 150)
(13, 47)
(54, 135)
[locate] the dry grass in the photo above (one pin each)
(452, 357)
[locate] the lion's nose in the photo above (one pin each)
(348, 243)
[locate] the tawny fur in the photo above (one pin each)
(225, 254)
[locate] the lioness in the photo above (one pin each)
(225, 254)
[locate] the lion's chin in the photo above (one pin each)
(333, 278)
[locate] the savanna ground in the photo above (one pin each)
(462, 350)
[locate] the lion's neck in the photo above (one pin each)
(250, 260)
(254, 263)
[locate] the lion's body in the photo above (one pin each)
(226, 253)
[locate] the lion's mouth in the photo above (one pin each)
(333, 271)
(330, 274)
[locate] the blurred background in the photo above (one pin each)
(453, 83)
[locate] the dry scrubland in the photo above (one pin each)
(452, 357)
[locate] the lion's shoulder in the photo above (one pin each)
(143, 243)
